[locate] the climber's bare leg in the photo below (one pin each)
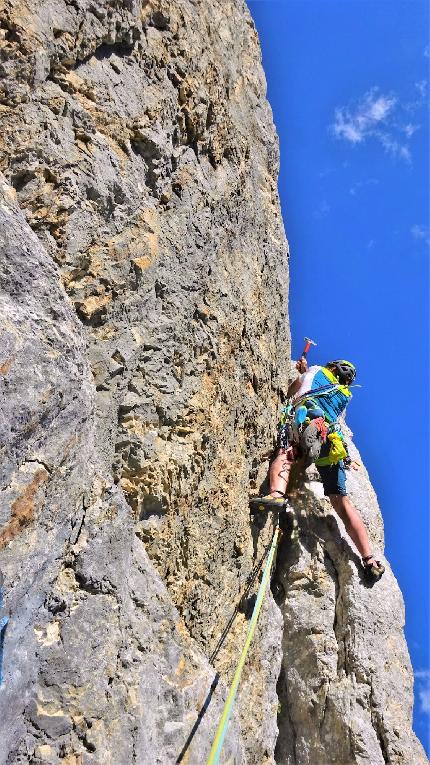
(353, 523)
(279, 472)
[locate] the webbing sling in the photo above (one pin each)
(228, 706)
(320, 392)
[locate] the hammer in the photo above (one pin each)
(308, 342)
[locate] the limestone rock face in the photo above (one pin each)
(98, 663)
(144, 349)
(143, 155)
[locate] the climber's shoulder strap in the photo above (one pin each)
(334, 381)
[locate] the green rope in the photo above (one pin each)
(228, 706)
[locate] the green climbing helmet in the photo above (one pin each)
(345, 371)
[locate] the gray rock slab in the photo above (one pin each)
(144, 355)
(98, 664)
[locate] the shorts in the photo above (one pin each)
(333, 478)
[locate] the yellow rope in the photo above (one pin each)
(228, 706)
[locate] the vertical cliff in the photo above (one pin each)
(144, 350)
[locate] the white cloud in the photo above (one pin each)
(421, 87)
(422, 233)
(322, 210)
(418, 97)
(410, 129)
(383, 118)
(394, 147)
(356, 124)
(425, 700)
(423, 678)
(405, 152)
(359, 185)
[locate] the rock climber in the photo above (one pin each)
(335, 377)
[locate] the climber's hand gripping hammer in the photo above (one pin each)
(302, 364)
(308, 342)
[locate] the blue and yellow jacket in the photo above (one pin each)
(331, 397)
(325, 394)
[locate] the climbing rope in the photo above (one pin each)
(249, 584)
(218, 741)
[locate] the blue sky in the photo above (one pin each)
(348, 85)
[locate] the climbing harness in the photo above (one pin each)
(218, 741)
(303, 434)
(301, 421)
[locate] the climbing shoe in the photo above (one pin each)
(372, 571)
(269, 502)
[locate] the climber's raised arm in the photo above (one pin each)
(302, 367)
